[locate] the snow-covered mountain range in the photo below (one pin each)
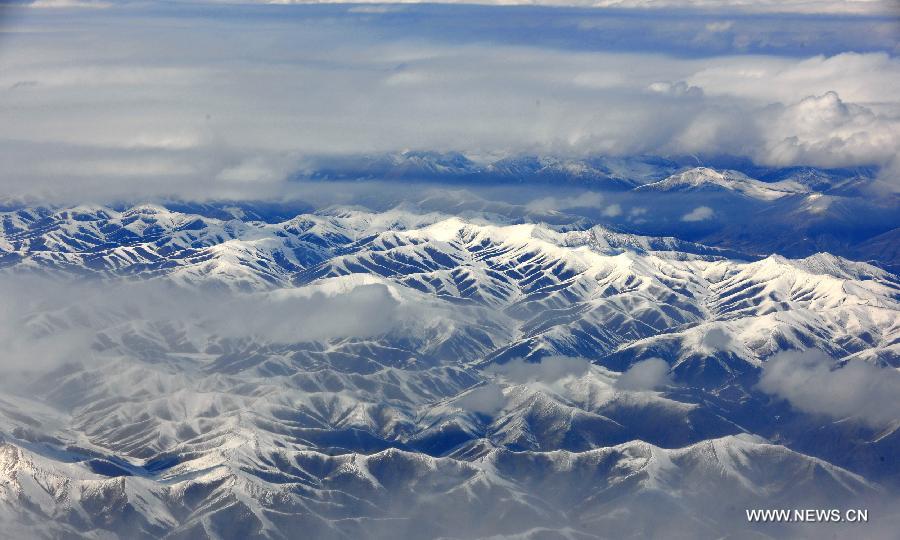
(794, 211)
(205, 371)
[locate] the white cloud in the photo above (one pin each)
(550, 203)
(116, 166)
(826, 131)
(820, 130)
(812, 382)
(701, 213)
(635, 215)
(857, 77)
(612, 210)
(649, 374)
(679, 88)
(716, 339)
(258, 169)
(549, 370)
(889, 177)
(487, 399)
(719, 26)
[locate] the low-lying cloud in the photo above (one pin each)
(550, 203)
(812, 382)
(487, 399)
(650, 374)
(38, 335)
(716, 339)
(548, 370)
(701, 213)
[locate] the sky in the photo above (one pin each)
(133, 100)
(747, 6)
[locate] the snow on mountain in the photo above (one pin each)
(706, 179)
(572, 293)
(340, 496)
(483, 371)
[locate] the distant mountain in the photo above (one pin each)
(884, 247)
(706, 179)
(596, 172)
(734, 204)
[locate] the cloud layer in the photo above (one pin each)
(137, 103)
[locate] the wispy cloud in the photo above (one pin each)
(583, 200)
(701, 213)
(547, 370)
